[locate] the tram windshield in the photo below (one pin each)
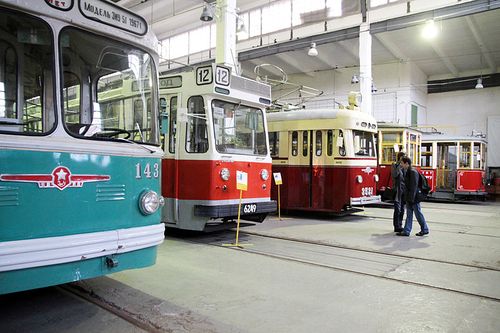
(239, 129)
(26, 74)
(107, 91)
(363, 143)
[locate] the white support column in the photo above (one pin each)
(226, 34)
(365, 67)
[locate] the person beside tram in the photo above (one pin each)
(412, 201)
(398, 188)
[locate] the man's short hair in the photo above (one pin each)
(399, 155)
(406, 159)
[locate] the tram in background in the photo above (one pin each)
(79, 163)
(391, 139)
(216, 127)
(326, 157)
(454, 166)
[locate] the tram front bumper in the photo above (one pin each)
(365, 200)
(253, 211)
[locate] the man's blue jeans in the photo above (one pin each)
(410, 208)
(397, 217)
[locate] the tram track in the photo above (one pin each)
(135, 319)
(391, 262)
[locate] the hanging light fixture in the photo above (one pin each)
(354, 79)
(430, 30)
(313, 52)
(479, 84)
(206, 14)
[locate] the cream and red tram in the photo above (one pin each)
(216, 127)
(391, 139)
(326, 157)
(455, 166)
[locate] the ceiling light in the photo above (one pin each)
(354, 79)
(206, 14)
(479, 84)
(312, 50)
(430, 30)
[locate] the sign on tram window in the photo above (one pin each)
(171, 82)
(204, 75)
(222, 75)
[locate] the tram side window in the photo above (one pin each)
(305, 143)
(329, 140)
(477, 158)
(319, 143)
(363, 144)
(295, 143)
(26, 40)
(196, 133)
(341, 143)
(172, 131)
(426, 159)
(413, 149)
(71, 100)
(274, 140)
(465, 155)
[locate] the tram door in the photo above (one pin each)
(446, 165)
(306, 172)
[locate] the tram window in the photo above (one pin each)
(33, 111)
(426, 159)
(341, 143)
(477, 159)
(274, 140)
(319, 143)
(305, 143)
(71, 102)
(363, 144)
(329, 139)
(172, 131)
(465, 155)
(295, 143)
(116, 97)
(238, 129)
(196, 130)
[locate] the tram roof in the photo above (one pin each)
(394, 126)
(427, 137)
(94, 15)
(319, 119)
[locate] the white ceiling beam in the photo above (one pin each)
(485, 53)
(293, 63)
(445, 59)
(386, 42)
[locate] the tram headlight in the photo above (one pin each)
(376, 178)
(149, 202)
(224, 173)
(264, 174)
(359, 179)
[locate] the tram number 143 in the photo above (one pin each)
(251, 208)
(147, 171)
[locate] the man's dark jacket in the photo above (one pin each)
(411, 185)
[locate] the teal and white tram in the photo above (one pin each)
(79, 163)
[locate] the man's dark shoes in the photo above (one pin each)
(402, 233)
(398, 229)
(421, 233)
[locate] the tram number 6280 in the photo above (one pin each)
(250, 208)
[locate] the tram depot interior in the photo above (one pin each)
(429, 65)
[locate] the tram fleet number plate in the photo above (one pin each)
(249, 208)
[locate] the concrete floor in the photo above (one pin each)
(354, 275)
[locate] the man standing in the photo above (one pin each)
(398, 187)
(412, 204)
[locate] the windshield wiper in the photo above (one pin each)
(135, 143)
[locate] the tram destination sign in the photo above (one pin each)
(110, 14)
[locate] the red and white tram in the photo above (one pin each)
(326, 157)
(391, 139)
(216, 127)
(454, 166)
